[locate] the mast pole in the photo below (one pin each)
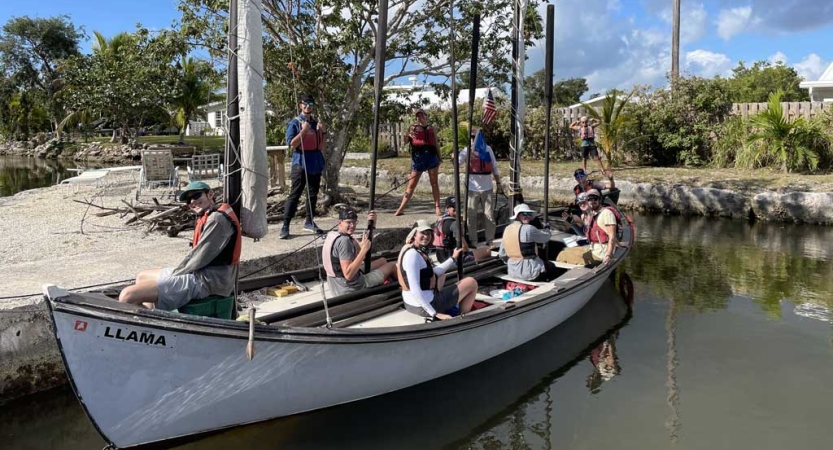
(233, 179)
(475, 48)
(513, 125)
(454, 145)
(378, 84)
(548, 90)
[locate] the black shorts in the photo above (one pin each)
(442, 302)
(589, 152)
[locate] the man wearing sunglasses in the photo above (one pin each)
(307, 138)
(584, 184)
(207, 269)
(519, 248)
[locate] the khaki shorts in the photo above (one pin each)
(580, 256)
(374, 278)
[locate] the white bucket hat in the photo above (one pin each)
(522, 208)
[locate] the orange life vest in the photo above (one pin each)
(230, 255)
(477, 166)
(310, 141)
(596, 232)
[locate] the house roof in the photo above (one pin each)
(592, 102)
(825, 80)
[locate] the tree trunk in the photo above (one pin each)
(182, 136)
(115, 134)
(334, 155)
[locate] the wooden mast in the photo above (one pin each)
(378, 84)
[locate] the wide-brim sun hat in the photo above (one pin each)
(423, 225)
(520, 209)
(193, 186)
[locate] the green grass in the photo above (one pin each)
(739, 180)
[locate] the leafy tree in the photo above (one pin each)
(564, 92)
(331, 45)
(126, 79)
(30, 52)
(794, 144)
(755, 84)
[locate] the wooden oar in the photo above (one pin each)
(250, 347)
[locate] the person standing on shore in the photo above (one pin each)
(425, 156)
(208, 269)
(587, 132)
(482, 168)
(307, 138)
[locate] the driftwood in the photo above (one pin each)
(168, 217)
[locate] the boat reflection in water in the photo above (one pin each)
(455, 409)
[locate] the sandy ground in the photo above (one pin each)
(46, 237)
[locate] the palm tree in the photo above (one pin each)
(792, 143)
(82, 118)
(195, 90)
(612, 121)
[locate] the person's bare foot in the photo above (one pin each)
(398, 213)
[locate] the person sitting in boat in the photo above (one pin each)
(344, 256)
(579, 221)
(602, 228)
(207, 269)
(445, 236)
(425, 156)
(584, 184)
(482, 169)
(421, 280)
(519, 248)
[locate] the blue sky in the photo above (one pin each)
(613, 43)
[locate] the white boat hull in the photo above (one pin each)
(140, 389)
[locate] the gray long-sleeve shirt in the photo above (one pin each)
(216, 280)
(526, 269)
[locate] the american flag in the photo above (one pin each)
(489, 110)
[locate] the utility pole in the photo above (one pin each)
(675, 41)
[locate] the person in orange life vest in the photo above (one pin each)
(584, 184)
(482, 169)
(425, 156)
(445, 236)
(207, 269)
(344, 256)
(307, 139)
(421, 280)
(602, 228)
(519, 250)
(587, 132)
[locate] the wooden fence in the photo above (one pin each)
(791, 109)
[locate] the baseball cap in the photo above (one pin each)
(594, 193)
(347, 214)
(306, 98)
(193, 186)
(579, 173)
(451, 202)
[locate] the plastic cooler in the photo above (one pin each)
(213, 306)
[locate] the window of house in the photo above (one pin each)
(220, 119)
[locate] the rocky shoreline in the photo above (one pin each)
(91, 152)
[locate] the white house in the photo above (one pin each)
(215, 124)
(419, 94)
(821, 90)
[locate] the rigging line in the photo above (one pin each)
(320, 236)
(310, 205)
(12, 297)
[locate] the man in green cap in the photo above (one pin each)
(207, 269)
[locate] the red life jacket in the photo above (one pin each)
(477, 166)
(442, 232)
(332, 265)
(230, 255)
(597, 233)
(309, 142)
(587, 132)
(423, 136)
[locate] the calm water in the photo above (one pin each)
(728, 347)
(19, 173)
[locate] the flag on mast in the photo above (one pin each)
(489, 109)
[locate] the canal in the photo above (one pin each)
(20, 173)
(728, 346)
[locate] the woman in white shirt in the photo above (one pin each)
(418, 278)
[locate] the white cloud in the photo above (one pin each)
(731, 22)
(811, 67)
(693, 21)
(707, 64)
(778, 57)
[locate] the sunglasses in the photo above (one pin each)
(593, 199)
(195, 196)
(308, 103)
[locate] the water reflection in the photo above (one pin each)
(700, 262)
(19, 173)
